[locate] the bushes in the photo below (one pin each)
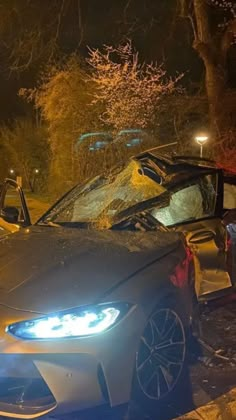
(25, 149)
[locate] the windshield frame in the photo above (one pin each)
(145, 205)
(45, 219)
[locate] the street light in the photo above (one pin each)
(35, 174)
(201, 140)
(11, 171)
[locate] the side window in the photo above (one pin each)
(193, 201)
(12, 199)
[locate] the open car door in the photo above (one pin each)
(13, 208)
(196, 209)
(230, 220)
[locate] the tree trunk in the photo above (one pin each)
(209, 49)
(215, 88)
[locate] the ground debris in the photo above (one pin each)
(219, 336)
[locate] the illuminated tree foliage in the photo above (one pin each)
(129, 90)
(63, 97)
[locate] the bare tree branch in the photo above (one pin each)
(128, 3)
(80, 22)
(59, 17)
(228, 37)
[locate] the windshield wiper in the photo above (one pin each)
(148, 222)
(140, 221)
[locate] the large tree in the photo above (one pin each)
(213, 24)
(33, 32)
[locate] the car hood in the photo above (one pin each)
(45, 269)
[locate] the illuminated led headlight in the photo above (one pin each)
(71, 323)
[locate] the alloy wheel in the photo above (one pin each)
(161, 355)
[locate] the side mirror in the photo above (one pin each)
(10, 214)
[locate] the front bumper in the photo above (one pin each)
(34, 385)
(38, 377)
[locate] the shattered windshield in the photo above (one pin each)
(100, 200)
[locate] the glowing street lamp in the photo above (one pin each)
(12, 171)
(201, 140)
(35, 175)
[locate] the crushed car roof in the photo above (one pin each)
(177, 161)
(173, 169)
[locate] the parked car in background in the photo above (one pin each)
(131, 138)
(128, 138)
(94, 141)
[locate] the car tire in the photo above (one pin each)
(161, 363)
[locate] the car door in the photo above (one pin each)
(230, 220)
(196, 209)
(13, 208)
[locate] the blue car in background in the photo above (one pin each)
(95, 141)
(130, 137)
(100, 140)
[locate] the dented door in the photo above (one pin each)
(207, 240)
(196, 209)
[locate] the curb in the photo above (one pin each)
(223, 408)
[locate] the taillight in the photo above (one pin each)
(179, 277)
(229, 242)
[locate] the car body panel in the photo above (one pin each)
(207, 239)
(74, 364)
(6, 228)
(93, 367)
(230, 219)
(38, 260)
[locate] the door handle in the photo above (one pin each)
(201, 237)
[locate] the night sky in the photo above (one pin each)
(96, 23)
